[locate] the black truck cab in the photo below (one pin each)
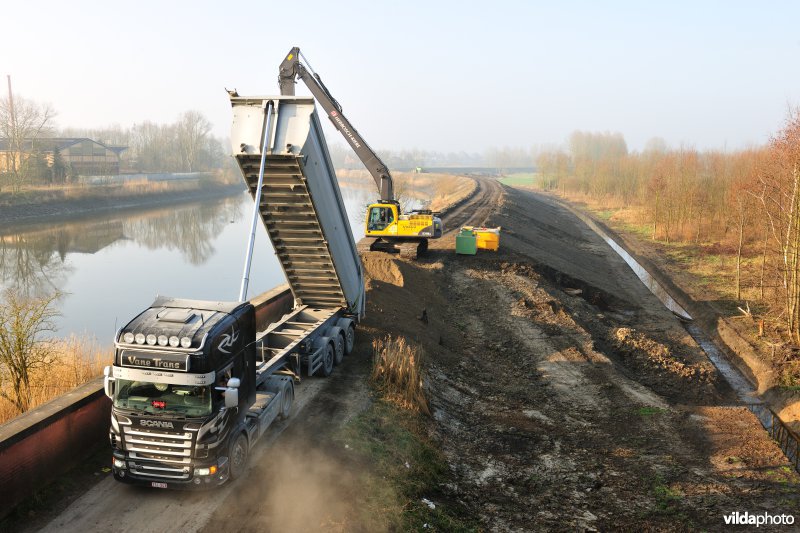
(182, 381)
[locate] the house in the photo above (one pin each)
(63, 157)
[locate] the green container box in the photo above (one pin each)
(466, 242)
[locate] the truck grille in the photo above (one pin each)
(161, 454)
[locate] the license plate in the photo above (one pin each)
(158, 485)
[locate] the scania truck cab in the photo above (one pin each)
(182, 384)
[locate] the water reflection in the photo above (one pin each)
(110, 267)
(190, 231)
(35, 261)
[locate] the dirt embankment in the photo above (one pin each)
(755, 357)
(564, 395)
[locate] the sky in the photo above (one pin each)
(444, 76)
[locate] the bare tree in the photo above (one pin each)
(22, 122)
(780, 198)
(193, 130)
(23, 322)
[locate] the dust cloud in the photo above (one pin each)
(297, 486)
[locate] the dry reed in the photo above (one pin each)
(397, 373)
(75, 361)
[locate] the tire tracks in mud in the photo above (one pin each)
(475, 210)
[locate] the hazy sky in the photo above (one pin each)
(446, 76)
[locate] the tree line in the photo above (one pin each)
(745, 201)
(186, 145)
(502, 158)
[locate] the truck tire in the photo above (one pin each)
(349, 338)
(328, 356)
(237, 455)
(349, 330)
(337, 337)
(288, 400)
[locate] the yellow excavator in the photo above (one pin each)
(387, 227)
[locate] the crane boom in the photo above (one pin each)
(290, 69)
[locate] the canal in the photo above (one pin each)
(110, 268)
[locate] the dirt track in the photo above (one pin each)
(564, 396)
(568, 397)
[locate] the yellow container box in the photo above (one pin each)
(487, 238)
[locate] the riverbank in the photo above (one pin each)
(61, 204)
(701, 281)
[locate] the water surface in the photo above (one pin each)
(111, 267)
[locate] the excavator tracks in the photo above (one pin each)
(406, 249)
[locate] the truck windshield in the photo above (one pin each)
(158, 398)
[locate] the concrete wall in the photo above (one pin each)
(46, 442)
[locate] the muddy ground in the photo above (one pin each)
(570, 398)
(563, 396)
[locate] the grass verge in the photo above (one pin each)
(403, 472)
(520, 179)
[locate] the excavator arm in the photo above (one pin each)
(290, 69)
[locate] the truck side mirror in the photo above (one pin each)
(231, 397)
(108, 382)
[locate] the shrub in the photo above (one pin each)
(397, 373)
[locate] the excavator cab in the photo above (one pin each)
(380, 217)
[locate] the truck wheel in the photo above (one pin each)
(288, 400)
(327, 359)
(337, 337)
(237, 455)
(349, 338)
(339, 347)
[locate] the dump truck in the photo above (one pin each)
(387, 228)
(194, 384)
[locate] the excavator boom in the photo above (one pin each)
(291, 68)
(393, 230)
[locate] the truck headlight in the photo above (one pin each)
(119, 463)
(210, 471)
